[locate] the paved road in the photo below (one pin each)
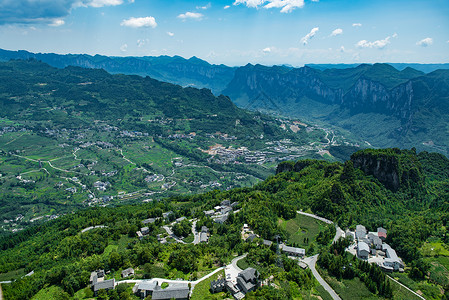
(311, 261)
(92, 227)
(339, 233)
(1, 293)
(172, 281)
(232, 270)
(172, 235)
(196, 235)
(315, 217)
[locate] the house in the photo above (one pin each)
(391, 258)
(149, 221)
(360, 231)
(139, 234)
(234, 204)
(179, 220)
(293, 251)
(248, 280)
(127, 272)
(145, 288)
(226, 210)
(251, 237)
(145, 230)
(362, 250)
(267, 243)
(166, 215)
(218, 285)
(221, 219)
(375, 240)
(209, 213)
(179, 293)
(204, 238)
(104, 285)
(204, 229)
(382, 233)
(96, 276)
(225, 203)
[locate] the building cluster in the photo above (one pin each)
(221, 212)
(101, 186)
(372, 246)
(247, 281)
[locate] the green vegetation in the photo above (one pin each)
(75, 138)
(202, 289)
(414, 214)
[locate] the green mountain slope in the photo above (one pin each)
(72, 138)
(185, 72)
(412, 212)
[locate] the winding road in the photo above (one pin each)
(311, 262)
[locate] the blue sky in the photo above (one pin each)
(233, 32)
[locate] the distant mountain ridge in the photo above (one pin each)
(426, 68)
(185, 72)
(380, 104)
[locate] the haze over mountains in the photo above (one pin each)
(380, 105)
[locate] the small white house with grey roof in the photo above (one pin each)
(293, 251)
(362, 250)
(360, 232)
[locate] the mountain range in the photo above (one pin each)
(380, 105)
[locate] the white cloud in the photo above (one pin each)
(267, 50)
(226, 7)
(204, 7)
(57, 22)
(285, 5)
(425, 42)
(124, 47)
(380, 44)
(170, 33)
(249, 3)
(142, 42)
(139, 22)
(337, 31)
(310, 35)
(357, 25)
(315, 0)
(191, 15)
(342, 49)
(101, 3)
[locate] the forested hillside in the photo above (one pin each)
(415, 213)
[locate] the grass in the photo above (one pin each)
(123, 242)
(429, 291)
(243, 263)
(109, 249)
(399, 292)
(201, 290)
(435, 249)
(189, 238)
(16, 274)
(323, 293)
(301, 228)
(49, 293)
(439, 272)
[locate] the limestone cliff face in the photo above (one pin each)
(362, 96)
(385, 168)
(394, 168)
